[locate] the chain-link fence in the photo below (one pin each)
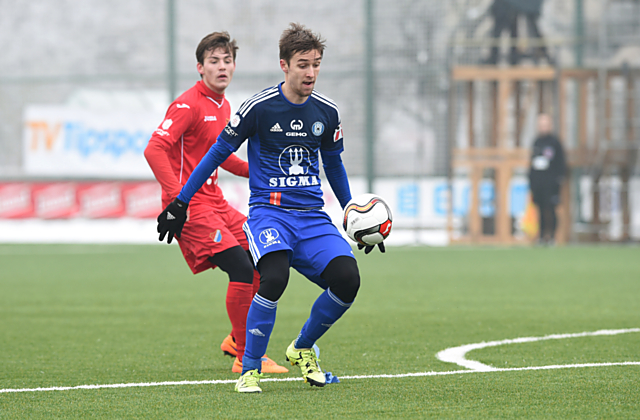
(387, 65)
(113, 56)
(63, 52)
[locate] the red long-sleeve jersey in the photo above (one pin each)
(191, 125)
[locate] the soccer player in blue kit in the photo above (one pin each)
(287, 125)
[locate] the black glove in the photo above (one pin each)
(369, 248)
(172, 220)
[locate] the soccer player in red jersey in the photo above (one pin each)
(212, 236)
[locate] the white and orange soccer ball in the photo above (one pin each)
(367, 219)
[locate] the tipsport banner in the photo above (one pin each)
(59, 141)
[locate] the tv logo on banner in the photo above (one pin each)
(62, 141)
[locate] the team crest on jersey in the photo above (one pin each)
(317, 128)
(269, 237)
(235, 121)
(294, 160)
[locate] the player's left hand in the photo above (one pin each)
(369, 248)
(172, 220)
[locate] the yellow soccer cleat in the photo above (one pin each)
(308, 363)
(249, 382)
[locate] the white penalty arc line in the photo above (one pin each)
(454, 355)
(458, 354)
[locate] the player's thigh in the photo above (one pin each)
(204, 235)
(269, 229)
(234, 220)
(321, 243)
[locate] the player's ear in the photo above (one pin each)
(284, 66)
(200, 68)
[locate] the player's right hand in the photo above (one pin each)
(172, 220)
(369, 248)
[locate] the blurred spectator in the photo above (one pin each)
(546, 174)
(505, 16)
(531, 10)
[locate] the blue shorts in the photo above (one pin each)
(309, 237)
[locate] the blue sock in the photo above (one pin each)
(260, 320)
(325, 312)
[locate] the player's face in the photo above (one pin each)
(300, 74)
(217, 69)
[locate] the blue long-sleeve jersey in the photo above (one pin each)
(285, 140)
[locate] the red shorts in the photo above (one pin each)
(209, 232)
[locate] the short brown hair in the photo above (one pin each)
(296, 39)
(216, 40)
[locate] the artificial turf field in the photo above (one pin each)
(75, 315)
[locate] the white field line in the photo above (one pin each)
(452, 353)
(383, 376)
(458, 354)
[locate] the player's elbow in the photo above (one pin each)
(152, 150)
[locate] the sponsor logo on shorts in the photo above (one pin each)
(269, 237)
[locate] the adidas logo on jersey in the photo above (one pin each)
(276, 128)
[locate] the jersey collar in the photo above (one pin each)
(288, 101)
(215, 97)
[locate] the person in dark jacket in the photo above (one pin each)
(505, 16)
(546, 174)
(531, 9)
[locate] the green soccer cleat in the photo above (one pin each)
(308, 363)
(249, 382)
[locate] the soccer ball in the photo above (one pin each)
(367, 219)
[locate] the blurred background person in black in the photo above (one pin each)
(531, 9)
(505, 16)
(546, 174)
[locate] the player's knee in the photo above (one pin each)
(346, 287)
(343, 278)
(235, 263)
(243, 272)
(274, 275)
(272, 287)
